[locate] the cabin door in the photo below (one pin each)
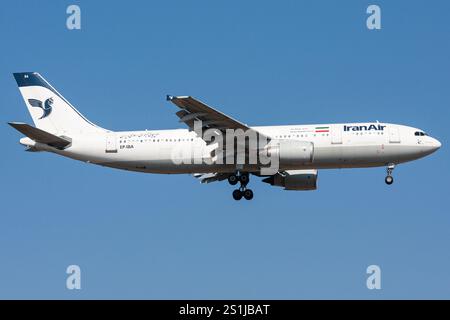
(111, 142)
(336, 134)
(394, 135)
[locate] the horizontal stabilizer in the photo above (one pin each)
(41, 136)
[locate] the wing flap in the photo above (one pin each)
(211, 177)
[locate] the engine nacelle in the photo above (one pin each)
(294, 180)
(292, 152)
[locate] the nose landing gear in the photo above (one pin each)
(389, 179)
(244, 179)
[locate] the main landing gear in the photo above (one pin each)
(389, 179)
(244, 179)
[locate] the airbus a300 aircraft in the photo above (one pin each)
(299, 150)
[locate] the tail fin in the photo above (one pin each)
(50, 111)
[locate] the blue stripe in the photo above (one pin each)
(28, 79)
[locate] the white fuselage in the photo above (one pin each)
(349, 145)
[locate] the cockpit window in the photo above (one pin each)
(420, 133)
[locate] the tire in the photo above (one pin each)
(248, 194)
(244, 179)
(233, 180)
(389, 180)
(237, 195)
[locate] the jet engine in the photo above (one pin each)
(294, 179)
(291, 152)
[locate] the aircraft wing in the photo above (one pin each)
(193, 109)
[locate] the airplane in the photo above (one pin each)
(299, 151)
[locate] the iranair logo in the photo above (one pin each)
(375, 127)
(46, 106)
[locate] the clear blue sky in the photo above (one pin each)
(264, 63)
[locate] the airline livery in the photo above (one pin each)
(216, 147)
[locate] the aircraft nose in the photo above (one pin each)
(429, 146)
(436, 144)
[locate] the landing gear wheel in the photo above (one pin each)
(248, 194)
(233, 180)
(244, 179)
(389, 180)
(237, 195)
